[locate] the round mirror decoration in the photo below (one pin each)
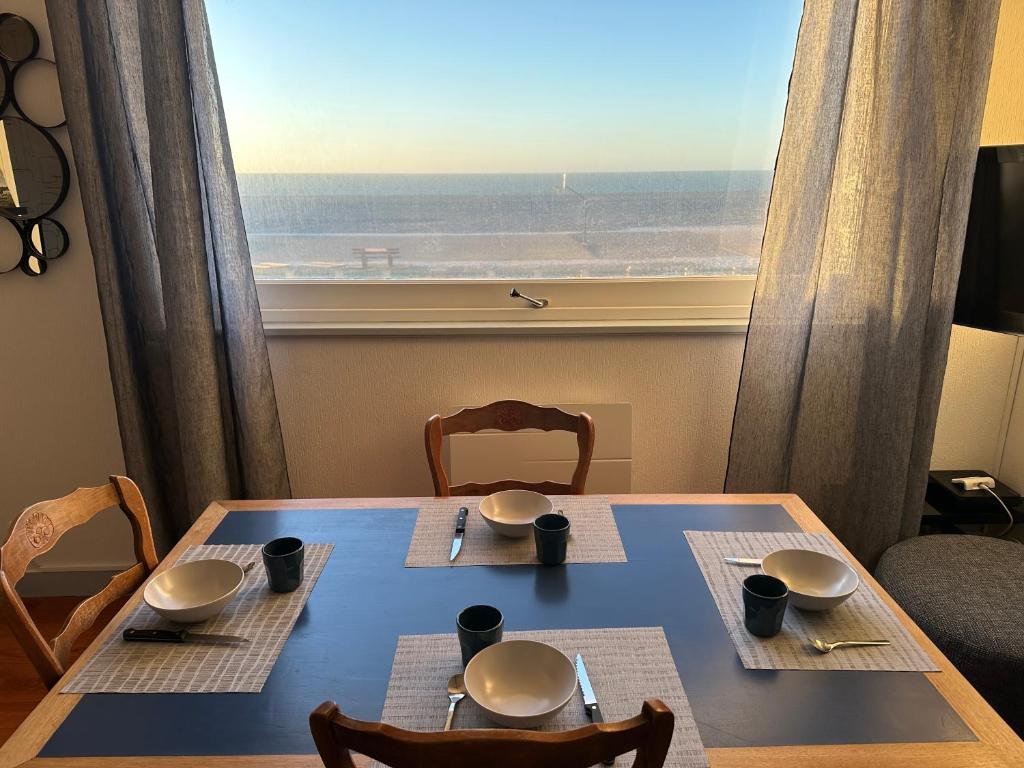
(36, 181)
(35, 93)
(32, 265)
(18, 38)
(47, 238)
(34, 172)
(12, 246)
(5, 86)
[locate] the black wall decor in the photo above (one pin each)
(34, 172)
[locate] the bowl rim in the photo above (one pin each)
(233, 590)
(502, 713)
(834, 596)
(500, 521)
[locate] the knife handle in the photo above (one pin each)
(155, 635)
(460, 523)
(596, 717)
(752, 561)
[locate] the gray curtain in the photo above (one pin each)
(188, 359)
(850, 325)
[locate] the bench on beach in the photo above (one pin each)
(365, 254)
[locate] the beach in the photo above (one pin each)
(680, 252)
(505, 226)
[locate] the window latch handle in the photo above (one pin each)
(538, 303)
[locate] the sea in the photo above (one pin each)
(340, 226)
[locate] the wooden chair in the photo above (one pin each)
(36, 531)
(649, 733)
(509, 416)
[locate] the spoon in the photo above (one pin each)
(456, 693)
(823, 646)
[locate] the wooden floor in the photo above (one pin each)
(20, 688)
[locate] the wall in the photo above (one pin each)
(58, 429)
(353, 409)
(981, 374)
(1011, 470)
(1004, 124)
(1004, 111)
(981, 423)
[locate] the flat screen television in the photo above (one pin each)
(990, 294)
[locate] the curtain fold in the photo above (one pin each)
(188, 358)
(849, 330)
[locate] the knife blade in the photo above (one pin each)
(460, 531)
(179, 636)
(590, 705)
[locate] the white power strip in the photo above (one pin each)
(985, 483)
(974, 483)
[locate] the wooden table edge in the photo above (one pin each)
(997, 745)
(946, 754)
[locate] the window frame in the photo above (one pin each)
(712, 304)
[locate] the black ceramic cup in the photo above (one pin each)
(284, 560)
(551, 535)
(764, 604)
(478, 626)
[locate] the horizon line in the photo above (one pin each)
(500, 173)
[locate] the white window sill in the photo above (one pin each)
(567, 328)
(577, 307)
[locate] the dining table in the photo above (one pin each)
(343, 644)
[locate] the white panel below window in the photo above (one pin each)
(533, 456)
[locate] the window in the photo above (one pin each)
(604, 155)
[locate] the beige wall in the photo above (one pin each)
(977, 393)
(353, 408)
(1004, 111)
(1011, 470)
(981, 424)
(58, 429)
(1004, 124)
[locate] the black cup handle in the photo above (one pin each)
(155, 635)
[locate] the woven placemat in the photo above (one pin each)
(594, 536)
(625, 667)
(266, 618)
(864, 616)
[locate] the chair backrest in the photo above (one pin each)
(509, 416)
(649, 733)
(36, 531)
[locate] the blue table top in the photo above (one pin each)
(344, 641)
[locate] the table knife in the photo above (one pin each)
(460, 531)
(179, 636)
(590, 704)
(754, 561)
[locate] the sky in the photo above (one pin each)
(456, 86)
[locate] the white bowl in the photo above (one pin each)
(193, 592)
(816, 581)
(511, 513)
(520, 683)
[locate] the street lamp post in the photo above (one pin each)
(586, 202)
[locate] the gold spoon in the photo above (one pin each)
(823, 646)
(456, 693)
